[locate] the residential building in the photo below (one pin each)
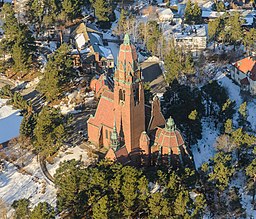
(131, 131)
(89, 48)
(190, 37)
(164, 14)
(244, 73)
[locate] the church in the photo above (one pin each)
(132, 132)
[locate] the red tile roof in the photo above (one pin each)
(121, 155)
(105, 111)
(167, 138)
(246, 65)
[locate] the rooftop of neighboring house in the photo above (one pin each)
(103, 51)
(189, 31)
(211, 14)
(164, 12)
(247, 65)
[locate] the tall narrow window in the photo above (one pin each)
(106, 134)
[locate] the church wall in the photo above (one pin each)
(93, 134)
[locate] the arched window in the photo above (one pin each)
(121, 95)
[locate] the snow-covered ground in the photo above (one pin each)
(234, 94)
(205, 149)
(72, 153)
(15, 184)
(10, 121)
(240, 182)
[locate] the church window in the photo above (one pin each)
(106, 134)
(121, 96)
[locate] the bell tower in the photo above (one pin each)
(129, 97)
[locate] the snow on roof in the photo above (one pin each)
(189, 31)
(80, 40)
(95, 38)
(86, 50)
(208, 5)
(249, 20)
(106, 52)
(211, 14)
(10, 121)
(164, 11)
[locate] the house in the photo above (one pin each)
(249, 18)
(244, 73)
(89, 47)
(132, 132)
(164, 14)
(189, 37)
(211, 15)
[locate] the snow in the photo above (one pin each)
(98, 38)
(240, 182)
(15, 185)
(106, 52)
(115, 50)
(80, 40)
(234, 94)
(72, 153)
(53, 46)
(211, 14)
(10, 121)
(204, 150)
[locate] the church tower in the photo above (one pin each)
(129, 97)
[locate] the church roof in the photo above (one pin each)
(105, 111)
(168, 138)
(121, 155)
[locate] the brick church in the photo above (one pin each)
(132, 131)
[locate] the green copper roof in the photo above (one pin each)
(114, 138)
(170, 125)
(126, 39)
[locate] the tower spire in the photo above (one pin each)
(126, 39)
(114, 137)
(170, 125)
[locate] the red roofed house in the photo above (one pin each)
(245, 74)
(131, 131)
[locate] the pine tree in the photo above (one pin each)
(222, 171)
(49, 131)
(197, 14)
(200, 205)
(20, 58)
(180, 204)
(27, 125)
(101, 208)
(243, 112)
(57, 73)
(43, 211)
(235, 28)
(251, 172)
(102, 9)
(121, 26)
(188, 12)
(21, 209)
(189, 64)
(228, 126)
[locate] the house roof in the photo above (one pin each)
(163, 12)
(150, 71)
(103, 51)
(105, 111)
(247, 65)
(121, 155)
(95, 39)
